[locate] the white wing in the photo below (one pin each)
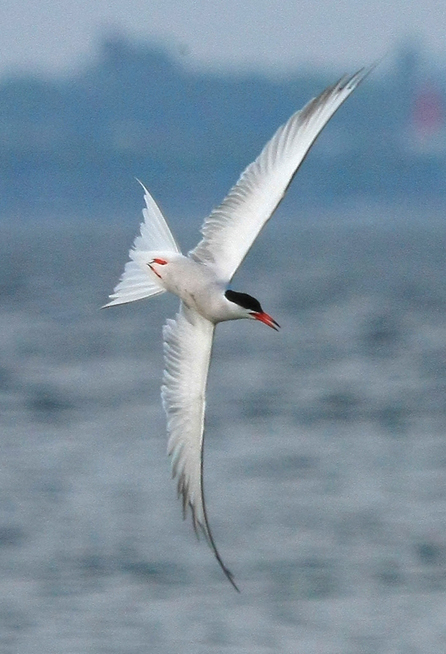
(187, 352)
(231, 229)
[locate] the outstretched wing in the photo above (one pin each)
(231, 229)
(138, 281)
(187, 352)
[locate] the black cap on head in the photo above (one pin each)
(244, 300)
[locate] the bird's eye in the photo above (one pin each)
(160, 262)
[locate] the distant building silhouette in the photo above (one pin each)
(75, 145)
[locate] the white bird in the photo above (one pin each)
(201, 281)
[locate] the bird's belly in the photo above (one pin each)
(196, 287)
(203, 301)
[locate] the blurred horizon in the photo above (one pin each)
(72, 146)
(59, 36)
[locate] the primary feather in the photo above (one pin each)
(232, 228)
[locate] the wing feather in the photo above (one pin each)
(187, 351)
(231, 228)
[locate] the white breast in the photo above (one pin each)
(197, 285)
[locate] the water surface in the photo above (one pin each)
(325, 450)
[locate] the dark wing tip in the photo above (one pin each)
(205, 528)
(202, 526)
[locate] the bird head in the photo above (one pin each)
(251, 308)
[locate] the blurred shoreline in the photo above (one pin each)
(74, 146)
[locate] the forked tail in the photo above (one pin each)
(138, 281)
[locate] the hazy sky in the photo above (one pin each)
(57, 35)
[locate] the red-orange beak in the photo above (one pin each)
(265, 318)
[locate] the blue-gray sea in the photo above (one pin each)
(325, 456)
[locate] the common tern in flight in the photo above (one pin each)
(201, 281)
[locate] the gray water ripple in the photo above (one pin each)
(325, 453)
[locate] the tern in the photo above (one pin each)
(201, 280)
